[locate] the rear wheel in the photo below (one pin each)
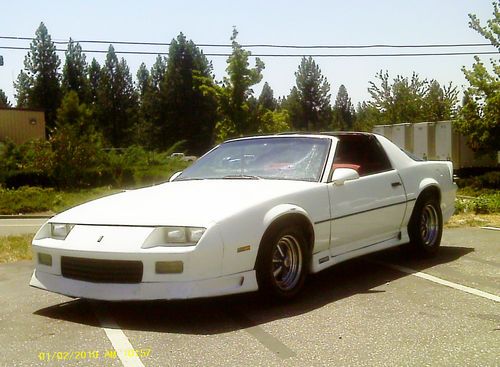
(426, 226)
(281, 264)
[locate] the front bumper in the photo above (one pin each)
(169, 290)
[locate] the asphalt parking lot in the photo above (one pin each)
(379, 310)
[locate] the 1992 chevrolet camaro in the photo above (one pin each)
(252, 213)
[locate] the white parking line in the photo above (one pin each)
(118, 339)
(447, 283)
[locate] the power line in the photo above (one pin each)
(454, 45)
(282, 55)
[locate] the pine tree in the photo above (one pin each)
(42, 66)
(266, 98)
(23, 86)
(152, 114)
(314, 96)
(343, 111)
(4, 101)
(158, 72)
(116, 101)
(143, 80)
(191, 112)
(94, 77)
(75, 70)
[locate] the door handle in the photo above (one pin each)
(396, 184)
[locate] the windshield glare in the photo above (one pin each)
(283, 158)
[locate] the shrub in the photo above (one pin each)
(16, 179)
(483, 204)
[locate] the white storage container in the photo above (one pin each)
(385, 130)
(402, 136)
(424, 140)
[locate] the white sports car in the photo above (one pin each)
(252, 213)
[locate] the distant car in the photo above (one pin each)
(252, 213)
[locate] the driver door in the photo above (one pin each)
(368, 210)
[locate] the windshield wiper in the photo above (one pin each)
(244, 177)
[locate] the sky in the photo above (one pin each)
(334, 22)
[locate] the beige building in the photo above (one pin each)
(20, 125)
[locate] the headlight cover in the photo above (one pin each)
(59, 231)
(174, 236)
(56, 231)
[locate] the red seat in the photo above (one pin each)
(346, 165)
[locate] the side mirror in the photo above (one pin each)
(174, 176)
(341, 175)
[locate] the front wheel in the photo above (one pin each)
(426, 226)
(281, 264)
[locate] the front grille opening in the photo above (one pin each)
(101, 271)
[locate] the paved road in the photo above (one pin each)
(18, 226)
(360, 313)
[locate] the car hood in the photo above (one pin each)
(181, 203)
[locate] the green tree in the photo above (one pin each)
(117, 101)
(313, 92)
(94, 77)
(75, 71)
(367, 116)
(41, 64)
(190, 112)
(343, 111)
(292, 104)
(143, 80)
(492, 29)
(236, 91)
(411, 99)
(273, 122)
(439, 103)
(4, 101)
(22, 85)
(76, 114)
(479, 118)
(143, 130)
(399, 101)
(266, 98)
(152, 114)
(76, 146)
(158, 72)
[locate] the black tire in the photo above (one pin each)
(281, 265)
(426, 226)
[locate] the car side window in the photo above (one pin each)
(362, 153)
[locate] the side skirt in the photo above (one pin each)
(325, 259)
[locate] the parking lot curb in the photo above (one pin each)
(491, 228)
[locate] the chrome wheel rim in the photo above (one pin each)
(429, 225)
(287, 263)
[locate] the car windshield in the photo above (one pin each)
(283, 158)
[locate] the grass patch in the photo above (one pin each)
(14, 248)
(27, 199)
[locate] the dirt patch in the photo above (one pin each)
(474, 220)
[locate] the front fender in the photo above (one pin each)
(281, 210)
